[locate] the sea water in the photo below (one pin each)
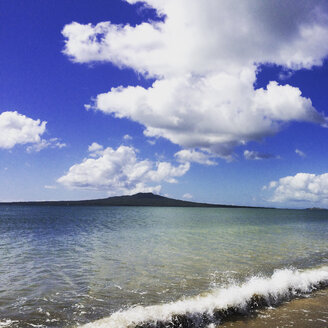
(64, 266)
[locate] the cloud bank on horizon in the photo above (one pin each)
(205, 67)
(302, 187)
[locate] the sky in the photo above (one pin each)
(220, 101)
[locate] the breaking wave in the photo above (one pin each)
(221, 303)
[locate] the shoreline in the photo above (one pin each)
(223, 304)
(303, 312)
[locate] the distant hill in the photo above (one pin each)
(140, 199)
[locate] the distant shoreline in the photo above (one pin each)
(144, 199)
(139, 199)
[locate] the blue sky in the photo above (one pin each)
(217, 101)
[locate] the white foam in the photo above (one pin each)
(7, 323)
(282, 284)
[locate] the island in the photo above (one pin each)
(139, 199)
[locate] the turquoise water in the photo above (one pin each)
(64, 266)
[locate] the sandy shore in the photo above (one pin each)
(310, 312)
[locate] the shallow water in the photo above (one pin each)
(63, 266)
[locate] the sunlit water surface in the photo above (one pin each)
(62, 266)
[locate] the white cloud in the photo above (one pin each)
(302, 187)
(17, 129)
(152, 142)
(187, 196)
(300, 153)
(120, 172)
(215, 113)
(95, 149)
(205, 65)
(51, 143)
(221, 38)
(127, 137)
(255, 155)
(191, 155)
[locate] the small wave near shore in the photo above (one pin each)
(220, 303)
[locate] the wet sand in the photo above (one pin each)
(310, 312)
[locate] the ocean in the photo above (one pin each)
(117, 267)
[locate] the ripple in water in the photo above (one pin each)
(63, 266)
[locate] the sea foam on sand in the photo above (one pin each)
(282, 285)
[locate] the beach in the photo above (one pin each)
(308, 312)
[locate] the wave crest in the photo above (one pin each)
(220, 303)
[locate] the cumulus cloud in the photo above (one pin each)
(217, 112)
(120, 172)
(205, 68)
(17, 129)
(191, 155)
(255, 155)
(43, 143)
(291, 33)
(300, 153)
(95, 149)
(302, 187)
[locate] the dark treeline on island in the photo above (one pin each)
(140, 199)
